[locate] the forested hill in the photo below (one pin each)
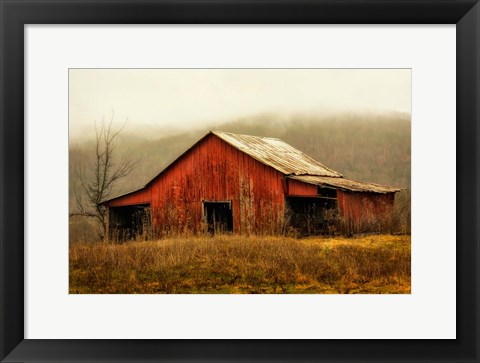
(367, 148)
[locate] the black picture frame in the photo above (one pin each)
(15, 14)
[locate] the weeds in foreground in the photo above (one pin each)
(237, 264)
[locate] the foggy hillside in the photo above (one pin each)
(366, 148)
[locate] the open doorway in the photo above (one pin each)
(218, 216)
(129, 222)
(312, 215)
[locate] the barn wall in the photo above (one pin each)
(364, 211)
(215, 171)
(298, 188)
(142, 196)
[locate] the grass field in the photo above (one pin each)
(378, 264)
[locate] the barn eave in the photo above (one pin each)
(107, 201)
(345, 184)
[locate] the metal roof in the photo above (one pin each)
(277, 154)
(346, 184)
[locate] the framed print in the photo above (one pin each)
(226, 195)
(142, 285)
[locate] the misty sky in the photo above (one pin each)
(189, 98)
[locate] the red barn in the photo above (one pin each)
(247, 185)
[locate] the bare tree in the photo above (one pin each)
(98, 183)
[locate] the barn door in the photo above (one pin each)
(129, 222)
(218, 217)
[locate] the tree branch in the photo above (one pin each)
(104, 173)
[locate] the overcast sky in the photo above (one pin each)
(188, 98)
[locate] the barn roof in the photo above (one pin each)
(346, 184)
(277, 154)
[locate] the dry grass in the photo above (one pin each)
(237, 264)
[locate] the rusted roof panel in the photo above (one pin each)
(346, 184)
(277, 154)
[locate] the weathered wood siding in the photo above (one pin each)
(298, 188)
(364, 211)
(212, 170)
(142, 196)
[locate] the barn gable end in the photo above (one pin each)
(214, 171)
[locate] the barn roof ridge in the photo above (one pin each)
(247, 135)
